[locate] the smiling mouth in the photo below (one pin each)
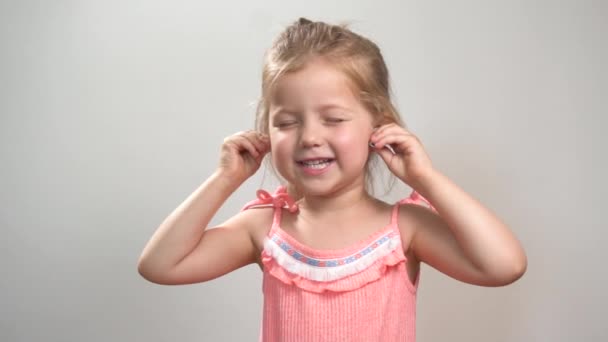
(316, 163)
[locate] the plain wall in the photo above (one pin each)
(113, 112)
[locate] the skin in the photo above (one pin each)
(462, 239)
(313, 113)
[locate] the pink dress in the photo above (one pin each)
(359, 293)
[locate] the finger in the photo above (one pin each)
(394, 130)
(243, 144)
(384, 128)
(387, 146)
(255, 139)
(398, 143)
(393, 139)
(264, 141)
(386, 155)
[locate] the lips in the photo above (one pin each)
(315, 166)
(312, 162)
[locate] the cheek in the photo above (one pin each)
(354, 144)
(281, 150)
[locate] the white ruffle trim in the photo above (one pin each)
(318, 273)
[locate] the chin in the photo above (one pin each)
(321, 188)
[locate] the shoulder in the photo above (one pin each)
(257, 222)
(253, 219)
(411, 219)
(256, 215)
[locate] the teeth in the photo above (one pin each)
(316, 164)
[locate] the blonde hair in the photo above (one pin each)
(357, 57)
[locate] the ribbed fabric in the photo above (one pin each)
(359, 293)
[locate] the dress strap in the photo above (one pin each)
(280, 199)
(413, 198)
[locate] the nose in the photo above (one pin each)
(311, 134)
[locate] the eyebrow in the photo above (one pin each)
(332, 106)
(280, 110)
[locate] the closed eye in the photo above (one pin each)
(284, 124)
(335, 120)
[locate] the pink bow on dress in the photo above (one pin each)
(417, 198)
(279, 199)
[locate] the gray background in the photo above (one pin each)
(113, 112)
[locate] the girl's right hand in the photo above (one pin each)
(242, 154)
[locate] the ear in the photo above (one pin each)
(377, 119)
(382, 118)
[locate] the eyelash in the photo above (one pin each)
(328, 120)
(285, 124)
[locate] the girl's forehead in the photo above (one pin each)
(313, 75)
(321, 108)
(319, 92)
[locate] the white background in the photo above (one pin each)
(113, 112)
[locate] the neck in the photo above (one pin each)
(339, 201)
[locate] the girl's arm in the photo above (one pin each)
(182, 250)
(465, 240)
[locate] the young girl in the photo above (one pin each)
(338, 264)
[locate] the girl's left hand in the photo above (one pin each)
(410, 163)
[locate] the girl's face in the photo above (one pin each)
(319, 131)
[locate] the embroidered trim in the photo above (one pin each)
(329, 269)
